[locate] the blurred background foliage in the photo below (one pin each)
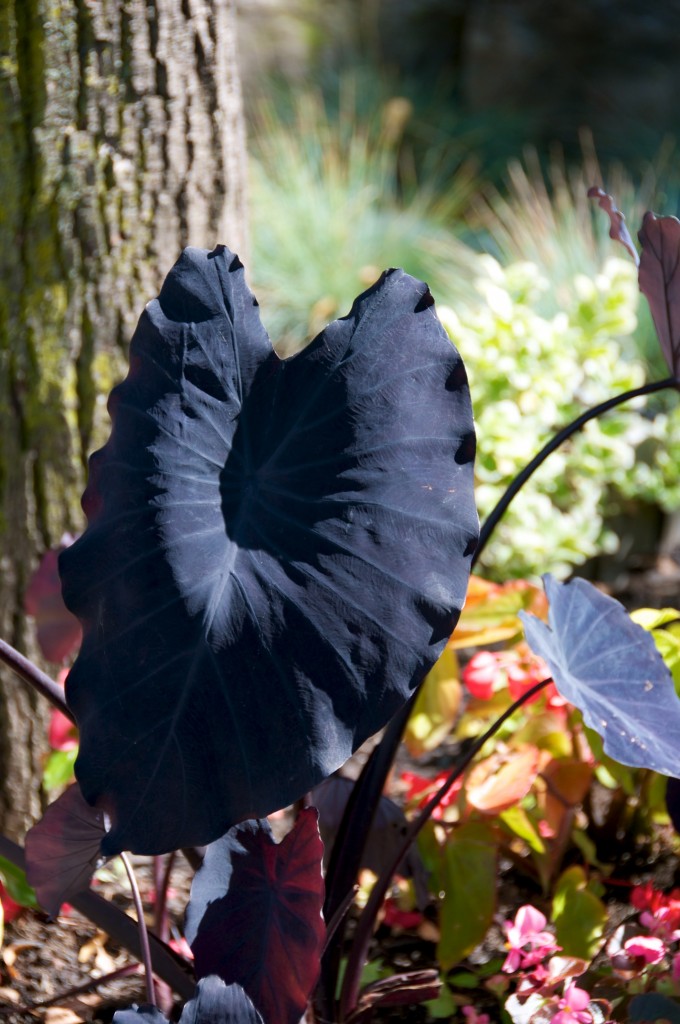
(458, 138)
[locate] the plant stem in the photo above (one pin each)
(38, 679)
(143, 933)
(492, 520)
(162, 884)
(362, 936)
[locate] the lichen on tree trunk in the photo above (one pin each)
(122, 141)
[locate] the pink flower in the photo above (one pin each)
(649, 948)
(62, 733)
(573, 1007)
(518, 669)
(527, 941)
(472, 1017)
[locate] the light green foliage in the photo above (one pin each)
(530, 374)
(330, 212)
(579, 915)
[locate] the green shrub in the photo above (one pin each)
(531, 373)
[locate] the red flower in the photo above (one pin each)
(483, 674)
(62, 733)
(424, 788)
(9, 907)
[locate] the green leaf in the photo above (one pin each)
(469, 881)
(59, 769)
(437, 706)
(652, 618)
(14, 881)
(578, 914)
(520, 824)
(463, 979)
(664, 625)
(444, 1006)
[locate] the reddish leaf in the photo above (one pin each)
(498, 783)
(255, 915)
(617, 230)
(659, 279)
(62, 850)
(58, 631)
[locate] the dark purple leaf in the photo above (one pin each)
(277, 551)
(385, 836)
(145, 1014)
(63, 849)
(653, 1006)
(406, 989)
(218, 1003)
(58, 630)
(618, 230)
(659, 279)
(255, 915)
(609, 668)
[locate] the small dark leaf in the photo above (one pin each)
(385, 837)
(218, 1003)
(58, 630)
(255, 915)
(406, 989)
(617, 229)
(659, 280)
(63, 849)
(145, 1014)
(609, 668)
(277, 551)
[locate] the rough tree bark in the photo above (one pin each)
(121, 141)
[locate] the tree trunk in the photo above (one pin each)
(121, 141)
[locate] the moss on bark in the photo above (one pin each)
(119, 145)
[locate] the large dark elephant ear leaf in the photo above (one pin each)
(609, 667)
(659, 279)
(277, 551)
(255, 915)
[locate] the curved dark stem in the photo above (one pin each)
(348, 847)
(362, 936)
(38, 679)
(492, 520)
(143, 932)
(112, 920)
